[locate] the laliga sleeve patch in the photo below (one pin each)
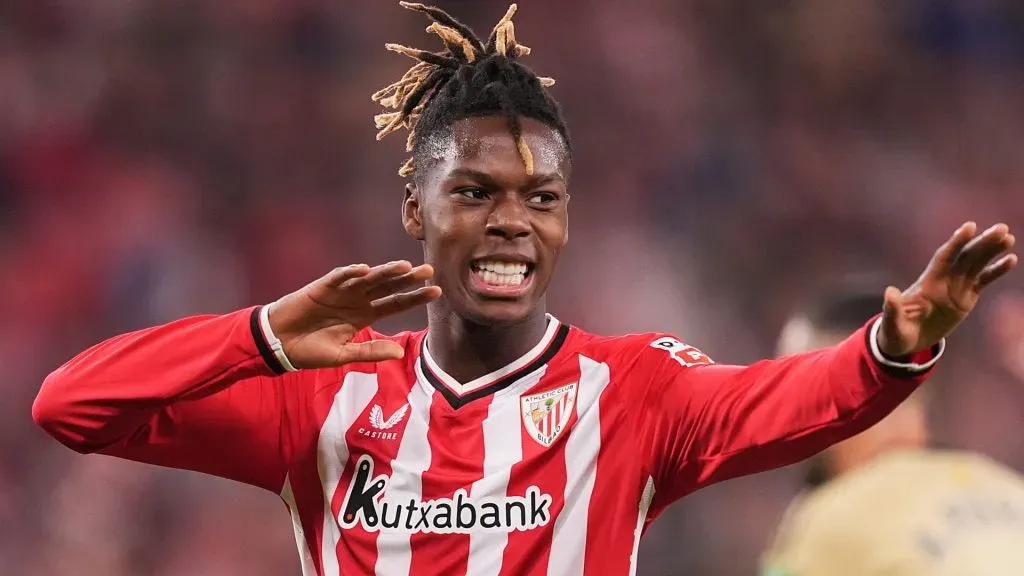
(684, 354)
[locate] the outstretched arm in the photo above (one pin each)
(196, 394)
(707, 422)
(704, 423)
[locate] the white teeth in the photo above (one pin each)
(502, 267)
(501, 273)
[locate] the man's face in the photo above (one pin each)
(491, 231)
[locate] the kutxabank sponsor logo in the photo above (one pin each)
(366, 504)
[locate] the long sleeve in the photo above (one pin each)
(704, 423)
(197, 394)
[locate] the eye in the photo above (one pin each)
(472, 193)
(542, 199)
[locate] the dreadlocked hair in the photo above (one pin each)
(469, 78)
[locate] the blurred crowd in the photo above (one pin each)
(160, 159)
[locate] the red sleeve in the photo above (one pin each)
(196, 394)
(704, 423)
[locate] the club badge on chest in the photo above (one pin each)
(546, 414)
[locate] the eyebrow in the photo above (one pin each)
(488, 180)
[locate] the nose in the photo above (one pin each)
(509, 219)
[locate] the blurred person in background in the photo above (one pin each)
(884, 502)
(1006, 332)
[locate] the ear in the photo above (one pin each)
(412, 219)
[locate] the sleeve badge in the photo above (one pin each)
(684, 354)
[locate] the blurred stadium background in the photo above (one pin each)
(159, 159)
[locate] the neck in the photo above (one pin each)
(468, 350)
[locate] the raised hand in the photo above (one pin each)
(317, 323)
(947, 291)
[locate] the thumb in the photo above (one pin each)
(889, 336)
(372, 351)
(892, 304)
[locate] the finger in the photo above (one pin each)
(892, 302)
(979, 252)
(379, 274)
(947, 254)
(340, 275)
(402, 301)
(372, 351)
(997, 270)
(413, 278)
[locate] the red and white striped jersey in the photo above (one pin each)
(555, 464)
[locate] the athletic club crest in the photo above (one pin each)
(546, 414)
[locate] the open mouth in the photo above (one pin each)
(501, 274)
